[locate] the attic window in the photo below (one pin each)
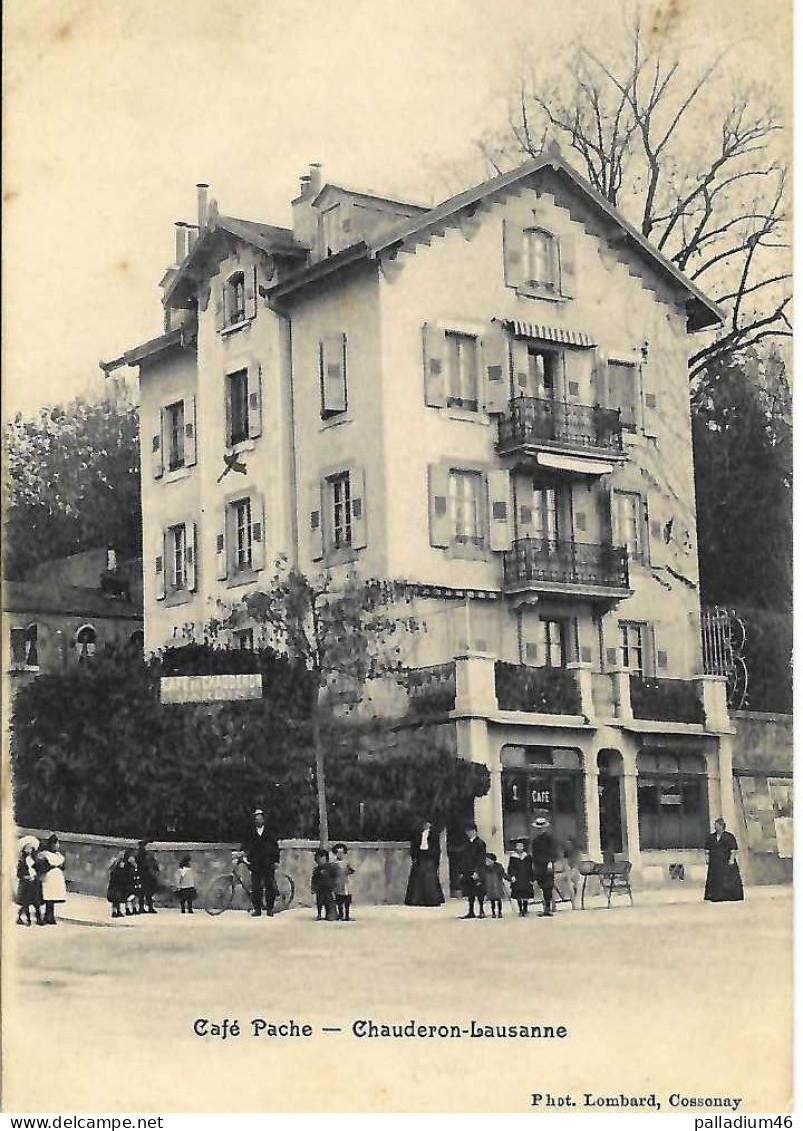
(329, 231)
(235, 299)
(540, 258)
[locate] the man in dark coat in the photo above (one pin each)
(472, 872)
(544, 852)
(148, 868)
(262, 855)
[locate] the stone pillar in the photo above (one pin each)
(591, 801)
(726, 802)
(584, 684)
(473, 746)
(629, 786)
(715, 702)
(621, 693)
(475, 679)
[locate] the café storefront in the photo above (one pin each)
(542, 780)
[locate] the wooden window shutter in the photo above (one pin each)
(159, 565)
(500, 509)
(434, 365)
(220, 308)
(440, 524)
(651, 646)
(333, 374)
(611, 658)
(191, 555)
(157, 454)
(512, 251)
(315, 519)
(255, 401)
(359, 532)
(533, 638)
(221, 557)
(521, 368)
(258, 534)
(566, 254)
(190, 432)
(612, 506)
(250, 291)
(497, 370)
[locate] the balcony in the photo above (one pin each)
(533, 428)
(581, 568)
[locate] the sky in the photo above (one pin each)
(114, 110)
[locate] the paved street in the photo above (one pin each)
(665, 997)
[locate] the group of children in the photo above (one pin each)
(134, 881)
(40, 880)
(525, 869)
(330, 884)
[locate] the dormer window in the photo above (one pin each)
(540, 255)
(235, 299)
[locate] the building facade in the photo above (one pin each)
(489, 400)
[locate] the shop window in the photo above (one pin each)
(672, 800)
(24, 647)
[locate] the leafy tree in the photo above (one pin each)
(71, 482)
(341, 632)
(691, 158)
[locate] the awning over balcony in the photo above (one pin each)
(547, 333)
(574, 463)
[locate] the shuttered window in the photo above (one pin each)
(177, 560)
(465, 507)
(237, 407)
(341, 510)
(540, 258)
(241, 511)
(632, 642)
(174, 421)
(623, 392)
(235, 298)
(629, 524)
(463, 376)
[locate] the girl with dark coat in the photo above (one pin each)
(723, 881)
(521, 876)
(322, 885)
(494, 884)
(424, 886)
(148, 869)
(117, 890)
(29, 885)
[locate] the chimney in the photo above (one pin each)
(203, 203)
(305, 217)
(315, 178)
(192, 236)
(181, 242)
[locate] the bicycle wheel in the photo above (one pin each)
(219, 894)
(285, 891)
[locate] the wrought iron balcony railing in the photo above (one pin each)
(559, 424)
(533, 560)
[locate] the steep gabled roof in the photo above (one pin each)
(701, 310)
(265, 237)
(363, 194)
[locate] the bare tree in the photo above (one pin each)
(694, 163)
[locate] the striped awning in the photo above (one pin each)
(547, 333)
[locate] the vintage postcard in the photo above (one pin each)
(397, 584)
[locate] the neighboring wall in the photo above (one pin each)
(763, 792)
(380, 876)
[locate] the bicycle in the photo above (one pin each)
(220, 892)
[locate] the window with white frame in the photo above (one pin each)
(235, 299)
(237, 407)
(340, 510)
(463, 367)
(629, 519)
(540, 258)
(632, 647)
(241, 527)
(86, 642)
(466, 507)
(542, 368)
(545, 514)
(555, 642)
(176, 547)
(174, 426)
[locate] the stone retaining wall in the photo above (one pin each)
(381, 867)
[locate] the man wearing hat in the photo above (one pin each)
(261, 855)
(544, 851)
(472, 872)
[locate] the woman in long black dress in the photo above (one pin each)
(424, 887)
(723, 881)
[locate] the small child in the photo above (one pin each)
(342, 870)
(322, 885)
(117, 890)
(185, 884)
(29, 887)
(520, 874)
(494, 884)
